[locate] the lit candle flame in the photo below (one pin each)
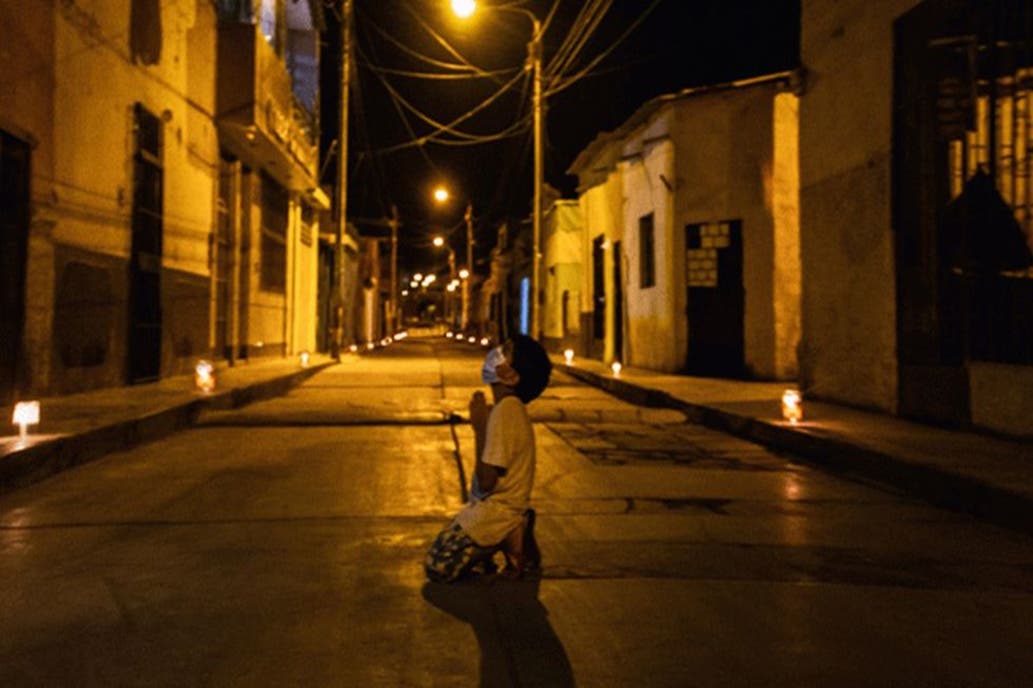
(26, 413)
(204, 376)
(792, 406)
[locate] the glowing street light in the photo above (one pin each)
(463, 8)
(441, 194)
(464, 273)
(438, 241)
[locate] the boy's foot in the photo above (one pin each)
(521, 549)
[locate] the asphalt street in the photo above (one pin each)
(281, 544)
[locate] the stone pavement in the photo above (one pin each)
(76, 428)
(987, 476)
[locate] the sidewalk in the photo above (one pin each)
(76, 428)
(986, 476)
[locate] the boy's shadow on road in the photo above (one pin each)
(518, 644)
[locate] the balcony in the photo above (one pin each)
(259, 119)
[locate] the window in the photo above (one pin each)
(646, 257)
(274, 235)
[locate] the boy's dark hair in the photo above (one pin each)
(530, 360)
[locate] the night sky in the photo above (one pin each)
(680, 43)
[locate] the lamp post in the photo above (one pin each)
(468, 216)
(342, 180)
(463, 9)
(441, 196)
(439, 242)
(393, 223)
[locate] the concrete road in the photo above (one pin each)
(281, 545)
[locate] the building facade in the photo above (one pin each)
(164, 187)
(692, 233)
(915, 133)
(562, 265)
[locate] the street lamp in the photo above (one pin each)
(439, 242)
(463, 9)
(441, 195)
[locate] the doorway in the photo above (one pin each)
(716, 299)
(618, 303)
(14, 242)
(146, 251)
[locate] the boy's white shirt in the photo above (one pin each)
(509, 444)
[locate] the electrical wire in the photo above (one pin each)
(450, 127)
(477, 71)
(466, 69)
(565, 83)
(429, 76)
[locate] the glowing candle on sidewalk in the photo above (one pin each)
(568, 356)
(616, 368)
(26, 413)
(792, 406)
(204, 376)
(304, 359)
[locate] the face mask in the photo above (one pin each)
(492, 361)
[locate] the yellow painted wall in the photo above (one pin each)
(783, 197)
(562, 264)
(27, 112)
(655, 336)
(848, 349)
(601, 207)
(725, 169)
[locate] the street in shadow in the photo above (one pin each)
(518, 645)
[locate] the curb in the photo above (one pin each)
(23, 467)
(941, 488)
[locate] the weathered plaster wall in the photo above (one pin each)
(653, 331)
(784, 195)
(601, 207)
(562, 265)
(724, 163)
(848, 347)
(98, 82)
(27, 112)
(304, 284)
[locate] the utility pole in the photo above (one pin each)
(342, 179)
(534, 50)
(393, 223)
(467, 293)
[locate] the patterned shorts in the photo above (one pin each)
(454, 555)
